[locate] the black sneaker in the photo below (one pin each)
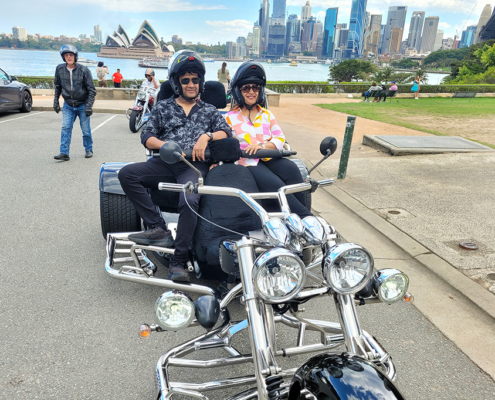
(154, 236)
(177, 271)
(89, 154)
(62, 157)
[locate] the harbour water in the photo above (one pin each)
(43, 63)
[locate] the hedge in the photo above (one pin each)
(35, 82)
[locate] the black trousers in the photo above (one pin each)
(135, 178)
(273, 174)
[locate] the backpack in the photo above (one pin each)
(100, 73)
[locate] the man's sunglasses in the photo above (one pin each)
(147, 76)
(185, 81)
(248, 88)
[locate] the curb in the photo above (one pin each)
(95, 110)
(481, 297)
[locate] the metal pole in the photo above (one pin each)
(346, 147)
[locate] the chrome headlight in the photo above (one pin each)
(276, 232)
(347, 268)
(295, 224)
(278, 275)
(390, 285)
(314, 232)
(141, 95)
(174, 311)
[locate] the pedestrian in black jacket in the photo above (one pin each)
(75, 83)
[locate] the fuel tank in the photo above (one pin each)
(342, 377)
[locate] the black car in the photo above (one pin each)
(14, 95)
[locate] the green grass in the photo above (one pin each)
(401, 111)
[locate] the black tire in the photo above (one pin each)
(117, 214)
(27, 102)
(135, 120)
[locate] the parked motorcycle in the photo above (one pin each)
(272, 271)
(138, 115)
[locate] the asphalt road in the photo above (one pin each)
(69, 331)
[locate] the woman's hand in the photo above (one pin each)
(213, 166)
(253, 148)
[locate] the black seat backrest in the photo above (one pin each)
(214, 94)
(229, 212)
(166, 91)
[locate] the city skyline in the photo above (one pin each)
(212, 21)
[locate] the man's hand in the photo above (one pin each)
(199, 148)
(56, 106)
(88, 111)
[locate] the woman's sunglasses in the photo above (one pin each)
(248, 88)
(185, 81)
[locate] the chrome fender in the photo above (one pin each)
(342, 376)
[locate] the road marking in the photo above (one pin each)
(13, 119)
(103, 123)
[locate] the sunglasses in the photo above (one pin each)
(248, 88)
(185, 81)
(147, 76)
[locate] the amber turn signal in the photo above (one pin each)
(408, 297)
(144, 331)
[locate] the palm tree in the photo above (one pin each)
(423, 75)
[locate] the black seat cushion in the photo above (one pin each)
(229, 212)
(214, 94)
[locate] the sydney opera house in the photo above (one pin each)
(145, 44)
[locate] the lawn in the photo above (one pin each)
(473, 120)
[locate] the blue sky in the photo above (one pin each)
(205, 21)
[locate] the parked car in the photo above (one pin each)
(14, 95)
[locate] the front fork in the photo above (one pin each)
(261, 324)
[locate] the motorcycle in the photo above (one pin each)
(272, 271)
(138, 115)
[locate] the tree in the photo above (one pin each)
(349, 70)
(405, 63)
(307, 53)
(383, 75)
(402, 77)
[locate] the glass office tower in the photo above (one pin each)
(329, 32)
(356, 29)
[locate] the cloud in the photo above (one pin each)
(444, 25)
(146, 6)
(230, 29)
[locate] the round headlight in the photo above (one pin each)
(174, 311)
(391, 285)
(314, 232)
(278, 275)
(347, 268)
(141, 95)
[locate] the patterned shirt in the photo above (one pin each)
(168, 122)
(264, 129)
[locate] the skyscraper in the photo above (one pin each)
(395, 40)
(308, 33)
(396, 18)
(371, 44)
(356, 29)
(415, 29)
(266, 24)
(293, 31)
(468, 36)
(256, 46)
(276, 40)
(429, 34)
(484, 17)
(438, 41)
(19, 33)
(279, 9)
(305, 13)
(329, 32)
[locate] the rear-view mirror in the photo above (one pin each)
(329, 143)
(170, 152)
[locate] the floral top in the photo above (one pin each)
(263, 129)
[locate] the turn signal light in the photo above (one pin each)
(144, 331)
(408, 297)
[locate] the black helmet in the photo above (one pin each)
(68, 48)
(149, 71)
(182, 62)
(248, 72)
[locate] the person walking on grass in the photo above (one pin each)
(75, 83)
(117, 79)
(415, 87)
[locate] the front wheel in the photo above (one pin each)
(27, 102)
(135, 120)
